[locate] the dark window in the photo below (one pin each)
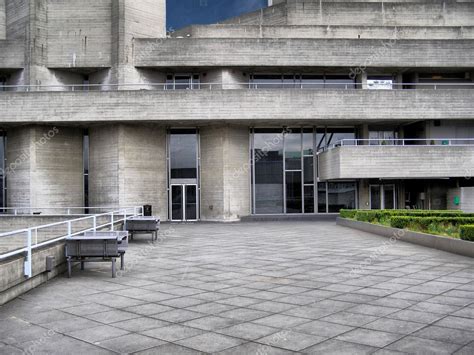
(183, 154)
(341, 195)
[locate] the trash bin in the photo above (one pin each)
(147, 211)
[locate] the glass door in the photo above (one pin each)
(382, 197)
(184, 202)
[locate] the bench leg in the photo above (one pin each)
(82, 265)
(69, 267)
(122, 263)
(114, 273)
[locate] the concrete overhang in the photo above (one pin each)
(12, 54)
(240, 105)
(352, 53)
(396, 162)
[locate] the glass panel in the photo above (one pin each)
(309, 199)
(293, 192)
(263, 81)
(322, 197)
(182, 82)
(2, 170)
(375, 198)
(312, 81)
(341, 195)
(191, 202)
(388, 195)
(308, 142)
(177, 202)
(268, 145)
(339, 82)
(288, 81)
(293, 150)
(308, 170)
(335, 135)
(183, 154)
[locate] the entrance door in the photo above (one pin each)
(382, 197)
(184, 202)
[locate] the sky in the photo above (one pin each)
(181, 13)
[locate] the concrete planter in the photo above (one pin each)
(451, 245)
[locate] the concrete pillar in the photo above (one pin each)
(225, 172)
(45, 167)
(3, 24)
(128, 167)
(363, 190)
(361, 80)
(227, 79)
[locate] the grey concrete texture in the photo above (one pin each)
(396, 162)
(262, 288)
(238, 106)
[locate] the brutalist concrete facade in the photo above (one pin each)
(101, 107)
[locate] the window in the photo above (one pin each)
(341, 195)
(382, 197)
(334, 136)
(380, 82)
(85, 153)
(305, 81)
(339, 82)
(382, 137)
(183, 82)
(3, 83)
(183, 146)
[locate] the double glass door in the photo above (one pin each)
(382, 197)
(184, 202)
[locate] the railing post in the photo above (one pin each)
(69, 228)
(28, 272)
(112, 221)
(124, 219)
(94, 219)
(68, 211)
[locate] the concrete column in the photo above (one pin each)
(128, 167)
(363, 189)
(3, 24)
(361, 80)
(45, 167)
(225, 172)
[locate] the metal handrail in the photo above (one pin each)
(125, 214)
(458, 142)
(33, 210)
(228, 86)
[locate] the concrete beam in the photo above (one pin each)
(264, 52)
(411, 162)
(239, 106)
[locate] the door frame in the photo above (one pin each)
(183, 202)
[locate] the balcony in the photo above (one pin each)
(397, 159)
(244, 106)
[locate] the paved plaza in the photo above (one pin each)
(254, 288)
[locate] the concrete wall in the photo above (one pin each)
(466, 196)
(229, 52)
(45, 167)
(12, 54)
(325, 32)
(396, 162)
(79, 33)
(225, 186)
(195, 106)
(128, 166)
(3, 24)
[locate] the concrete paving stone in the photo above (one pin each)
(210, 342)
(178, 315)
(376, 292)
(371, 310)
(169, 349)
(351, 319)
(369, 337)
(244, 314)
(300, 300)
(211, 308)
(457, 336)
(71, 324)
(281, 321)
(394, 326)
(465, 312)
(322, 328)
(173, 332)
(272, 306)
(291, 340)
(11, 350)
(59, 344)
(455, 301)
(337, 347)
(434, 308)
(254, 348)
(45, 317)
(392, 302)
(86, 309)
(415, 316)
(355, 298)
(26, 333)
(130, 343)
(457, 323)
(415, 345)
(460, 293)
(411, 296)
(212, 296)
(140, 324)
(148, 309)
(248, 331)
(211, 323)
(182, 302)
(113, 316)
(309, 312)
(95, 334)
(239, 301)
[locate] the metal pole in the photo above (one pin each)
(69, 228)
(112, 221)
(28, 272)
(94, 218)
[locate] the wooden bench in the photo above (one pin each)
(96, 247)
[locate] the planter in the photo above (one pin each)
(450, 245)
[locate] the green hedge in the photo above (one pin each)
(467, 232)
(347, 213)
(424, 222)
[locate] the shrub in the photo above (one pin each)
(467, 232)
(423, 223)
(347, 213)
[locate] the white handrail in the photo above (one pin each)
(123, 215)
(231, 85)
(68, 210)
(409, 142)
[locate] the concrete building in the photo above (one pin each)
(304, 107)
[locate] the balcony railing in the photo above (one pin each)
(232, 86)
(460, 142)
